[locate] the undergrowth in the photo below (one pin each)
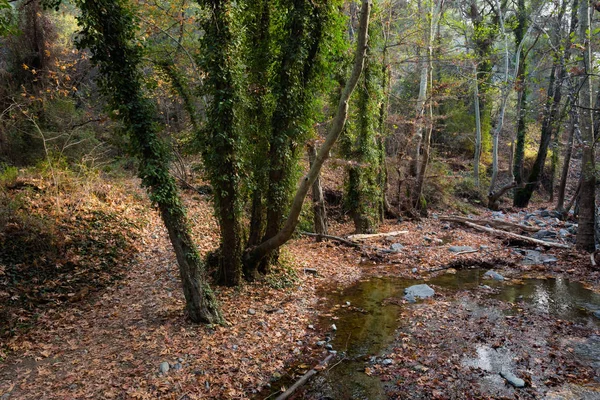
(60, 244)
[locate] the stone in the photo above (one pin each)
(177, 367)
(164, 367)
(329, 347)
(414, 270)
(387, 361)
(491, 274)
(321, 343)
(414, 292)
(234, 347)
(483, 247)
(180, 359)
(446, 226)
(333, 327)
(563, 233)
(544, 234)
(251, 311)
(396, 247)
(534, 257)
(311, 327)
(486, 287)
(513, 379)
(334, 352)
(545, 213)
(597, 314)
(460, 249)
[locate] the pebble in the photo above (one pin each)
(329, 347)
(333, 327)
(396, 247)
(251, 311)
(177, 367)
(387, 361)
(311, 327)
(321, 343)
(459, 249)
(163, 367)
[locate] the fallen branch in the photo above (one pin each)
(372, 235)
(493, 222)
(330, 237)
(515, 236)
(305, 378)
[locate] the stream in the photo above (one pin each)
(367, 319)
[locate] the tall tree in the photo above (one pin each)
(587, 203)
(108, 30)
(256, 254)
(220, 138)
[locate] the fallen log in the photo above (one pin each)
(511, 235)
(305, 378)
(347, 242)
(493, 222)
(373, 235)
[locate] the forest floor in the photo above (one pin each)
(111, 342)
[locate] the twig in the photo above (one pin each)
(303, 380)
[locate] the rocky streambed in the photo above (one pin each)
(463, 334)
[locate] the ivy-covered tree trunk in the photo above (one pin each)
(221, 138)
(108, 31)
(259, 45)
(256, 254)
(305, 28)
(363, 191)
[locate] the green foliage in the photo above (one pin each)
(8, 174)
(283, 275)
(7, 19)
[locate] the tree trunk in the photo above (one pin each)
(255, 255)
(476, 102)
(522, 94)
(435, 16)
(574, 116)
(587, 204)
(319, 210)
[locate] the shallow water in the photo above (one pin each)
(367, 327)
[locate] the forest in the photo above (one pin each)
(299, 199)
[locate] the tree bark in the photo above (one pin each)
(256, 254)
(587, 204)
(319, 210)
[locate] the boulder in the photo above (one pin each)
(491, 274)
(418, 292)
